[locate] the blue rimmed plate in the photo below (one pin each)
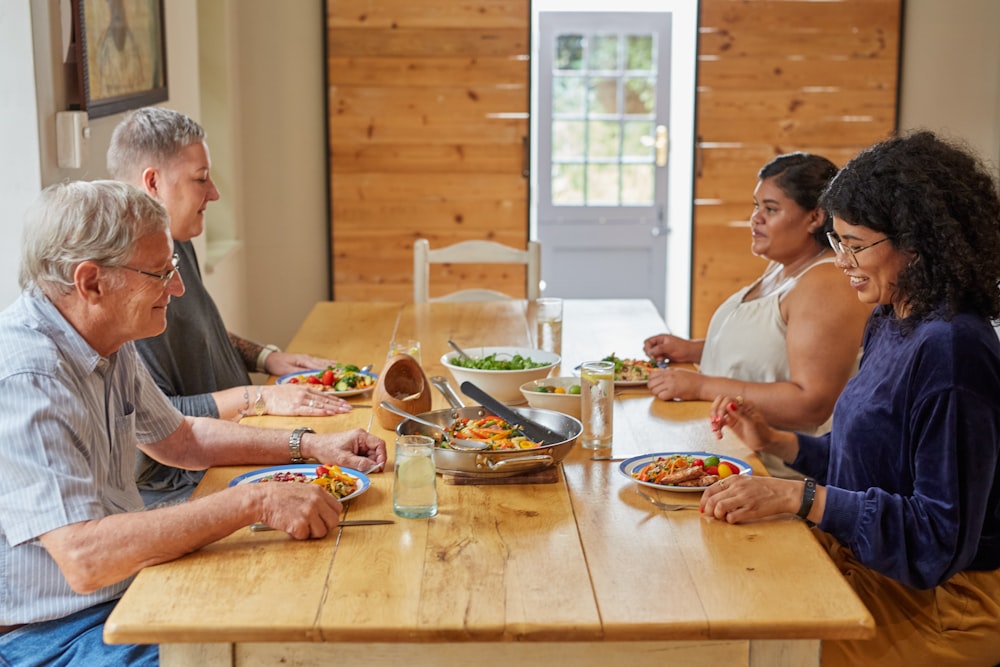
(302, 375)
(307, 470)
(637, 463)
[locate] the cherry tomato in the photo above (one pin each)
(322, 471)
(312, 379)
(726, 469)
(697, 462)
(293, 381)
(711, 470)
(327, 378)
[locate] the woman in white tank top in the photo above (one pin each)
(790, 340)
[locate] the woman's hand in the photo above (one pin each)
(745, 421)
(668, 384)
(742, 498)
(671, 348)
(282, 363)
(302, 401)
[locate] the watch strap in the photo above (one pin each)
(808, 495)
(262, 356)
(295, 444)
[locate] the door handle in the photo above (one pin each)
(661, 143)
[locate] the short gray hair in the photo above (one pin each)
(149, 137)
(70, 223)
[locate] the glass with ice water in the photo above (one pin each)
(414, 488)
(597, 388)
(410, 347)
(548, 324)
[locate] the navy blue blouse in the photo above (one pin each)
(911, 462)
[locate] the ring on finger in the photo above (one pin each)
(312, 403)
(739, 400)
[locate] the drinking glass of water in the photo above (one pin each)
(597, 389)
(548, 324)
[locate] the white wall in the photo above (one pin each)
(20, 180)
(951, 71)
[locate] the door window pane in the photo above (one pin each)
(603, 98)
(638, 140)
(639, 52)
(604, 139)
(604, 53)
(602, 185)
(640, 96)
(569, 52)
(568, 95)
(567, 185)
(637, 184)
(569, 141)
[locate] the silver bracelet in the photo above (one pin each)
(246, 397)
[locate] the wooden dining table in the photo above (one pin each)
(575, 568)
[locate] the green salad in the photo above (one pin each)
(491, 363)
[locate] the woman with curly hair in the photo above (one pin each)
(905, 489)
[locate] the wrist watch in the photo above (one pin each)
(262, 356)
(259, 406)
(808, 495)
(295, 444)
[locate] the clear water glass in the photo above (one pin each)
(414, 488)
(548, 324)
(597, 389)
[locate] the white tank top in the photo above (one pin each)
(746, 341)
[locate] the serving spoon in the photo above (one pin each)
(460, 444)
(460, 351)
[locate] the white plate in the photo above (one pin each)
(286, 379)
(636, 463)
(306, 469)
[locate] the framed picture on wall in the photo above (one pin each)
(121, 55)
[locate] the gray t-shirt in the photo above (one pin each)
(191, 359)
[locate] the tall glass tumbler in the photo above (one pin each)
(597, 389)
(548, 324)
(414, 488)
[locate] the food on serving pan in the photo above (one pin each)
(340, 377)
(491, 363)
(330, 477)
(685, 470)
(631, 370)
(498, 433)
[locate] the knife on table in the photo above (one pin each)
(257, 527)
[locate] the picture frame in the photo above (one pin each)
(121, 55)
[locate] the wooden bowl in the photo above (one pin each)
(402, 383)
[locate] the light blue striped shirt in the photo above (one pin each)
(70, 421)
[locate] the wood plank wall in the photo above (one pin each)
(776, 76)
(428, 105)
(428, 119)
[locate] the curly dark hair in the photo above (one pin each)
(937, 201)
(803, 177)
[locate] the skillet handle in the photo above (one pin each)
(535, 462)
(447, 391)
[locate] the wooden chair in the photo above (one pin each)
(474, 252)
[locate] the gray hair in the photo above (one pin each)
(150, 136)
(70, 223)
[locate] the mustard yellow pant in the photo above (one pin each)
(956, 623)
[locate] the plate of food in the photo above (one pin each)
(344, 483)
(630, 372)
(688, 472)
(339, 379)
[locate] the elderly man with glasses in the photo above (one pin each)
(98, 272)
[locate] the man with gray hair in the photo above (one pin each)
(197, 362)
(98, 271)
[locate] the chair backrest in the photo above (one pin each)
(474, 252)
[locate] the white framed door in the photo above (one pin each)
(612, 150)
